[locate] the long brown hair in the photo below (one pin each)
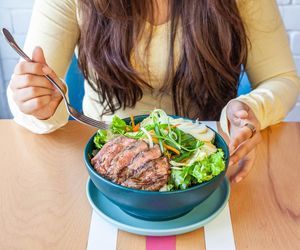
(214, 46)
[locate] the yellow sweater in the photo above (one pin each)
(55, 27)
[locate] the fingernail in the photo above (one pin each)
(238, 179)
(46, 70)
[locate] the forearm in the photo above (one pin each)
(271, 100)
(54, 28)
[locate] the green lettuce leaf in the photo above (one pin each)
(119, 126)
(199, 172)
(209, 167)
(101, 138)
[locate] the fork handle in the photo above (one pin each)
(58, 87)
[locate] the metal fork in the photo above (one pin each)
(71, 110)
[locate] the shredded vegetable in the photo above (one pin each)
(149, 137)
(192, 159)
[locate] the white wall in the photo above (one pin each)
(15, 15)
(290, 12)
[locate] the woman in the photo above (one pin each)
(184, 56)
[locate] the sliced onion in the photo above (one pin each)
(176, 168)
(150, 141)
(177, 164)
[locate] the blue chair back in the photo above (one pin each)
(244, 84)
(75, 80)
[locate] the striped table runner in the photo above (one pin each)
(218, 233)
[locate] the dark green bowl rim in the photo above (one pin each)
(127, 119)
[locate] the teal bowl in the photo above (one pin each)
(150, 205)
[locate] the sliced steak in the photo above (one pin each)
(124, 158)
(140, 159)
(151, 176)
(101, 161)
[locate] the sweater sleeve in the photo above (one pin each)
(270, 65)
(54, 28)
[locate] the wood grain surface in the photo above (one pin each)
(129, 241)
(43, 203)
(191, 241)
(265, 207)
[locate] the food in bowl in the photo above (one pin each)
(132, 163)
(161, 153)
(152, 205)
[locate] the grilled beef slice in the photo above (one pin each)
(131, 163)
(124, 158)
(152, 176)
(101, 161)
(140, 159)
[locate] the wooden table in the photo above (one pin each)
(43, 203)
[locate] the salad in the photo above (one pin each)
(188, 146)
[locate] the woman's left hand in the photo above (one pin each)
(245, 134)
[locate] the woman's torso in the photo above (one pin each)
(151, 66)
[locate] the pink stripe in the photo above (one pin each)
(161, 243)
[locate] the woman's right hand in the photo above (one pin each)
(32, 92)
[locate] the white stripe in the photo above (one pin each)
(102, 234)
(219, 233)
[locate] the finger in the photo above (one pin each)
(236, 111)
(38, 56)
(28, 80)
(243, 114)
(32, 105)
(235, 106)
(244, 149)
(49, 72)
(236, 121)
(38, 67)
(29, 68)
(25, 94)
(245, 166)
(238, 138)
(237, 117)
